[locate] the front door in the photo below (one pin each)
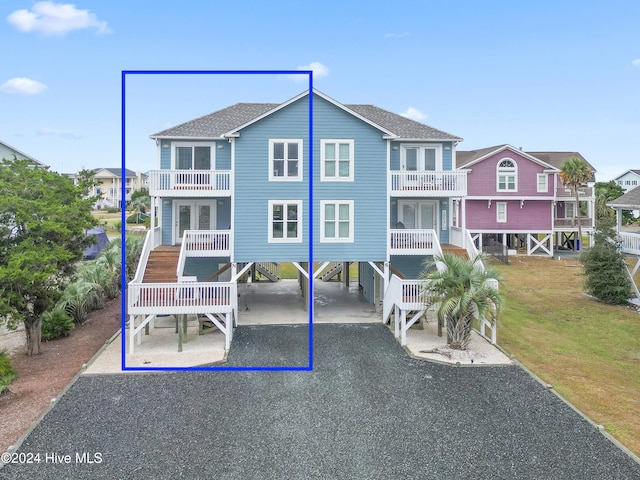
(418, 214)
(192, 215)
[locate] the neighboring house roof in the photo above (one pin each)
(116, 172)
(636, 172)
(628, 201)
(232, 119)
(20, 155)
(558, 158)
(465, 159)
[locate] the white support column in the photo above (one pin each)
(386, 275)
(403, 328)
(396, 321)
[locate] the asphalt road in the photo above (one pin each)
(366, 411)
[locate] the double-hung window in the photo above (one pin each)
(285, 160)
(285, 221)
(507, 176)
(501, 212)
(543, 182)
(336, 221)
(337, 160)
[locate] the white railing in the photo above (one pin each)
(414, 242)
(572, 222)
(207, 243)
(428, 183)
(405, 294)
(157, 237)
(583, 192)
(181, 298)
(144, 257)
(203, 243)
(189, 183)
(629, 242)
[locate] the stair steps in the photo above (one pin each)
(332, 272)
(263, 270)
(459, 251)
(162, 265)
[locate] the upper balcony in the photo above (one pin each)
(428, 183)
(566, 192)
(190, 183)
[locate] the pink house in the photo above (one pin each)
(516, 202)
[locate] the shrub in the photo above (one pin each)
(7, 373)
(56, 324)
(604, 268)
(113, 210)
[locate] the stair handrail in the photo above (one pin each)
(144, 257)
(183, 253)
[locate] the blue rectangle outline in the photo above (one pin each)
(123, 297)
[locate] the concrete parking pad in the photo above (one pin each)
(366, 411)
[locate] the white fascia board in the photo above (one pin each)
(517, 151)
(191, 139)
(502, 198)
(429, 140)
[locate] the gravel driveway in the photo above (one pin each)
(366, 411)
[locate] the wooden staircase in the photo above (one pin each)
(162, 265)
(459, 251)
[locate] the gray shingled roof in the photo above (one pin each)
(401, 126)
(214, 125)
(555, 159)
(465, 157)
(630, 200)
(116, 171)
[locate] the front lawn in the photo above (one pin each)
(588, 351)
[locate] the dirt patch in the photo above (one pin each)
(42, 377)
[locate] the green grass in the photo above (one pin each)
(589, 352)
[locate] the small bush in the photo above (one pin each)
(113, 210)
(7, 373)
(56, 324)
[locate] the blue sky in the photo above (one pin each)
(545, 75)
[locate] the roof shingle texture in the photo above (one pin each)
(216, 124)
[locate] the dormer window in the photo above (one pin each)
(507, 176)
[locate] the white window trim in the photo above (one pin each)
(514, 174)
(498, 205)
(569, 206)
(324, 239)
(286, 203)
(323, 177)
(436, 147)
(174, 156)
(286, 178)
(546, 183)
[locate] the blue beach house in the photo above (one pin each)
(232, 197)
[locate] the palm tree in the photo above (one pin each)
(463, 292)
(574, 173)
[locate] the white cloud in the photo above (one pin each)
(26, 86)
(319, 70)
(636, 62)
(56, 19)
(58, 133)
(414, 114)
